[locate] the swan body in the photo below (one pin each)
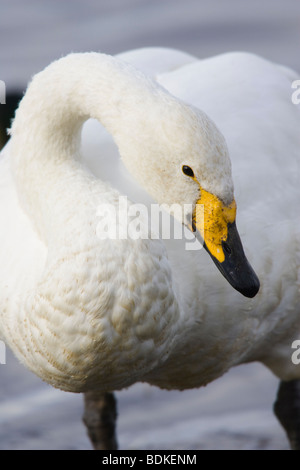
(86, 313)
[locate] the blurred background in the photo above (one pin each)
(234, 412)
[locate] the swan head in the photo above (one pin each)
(184, 160)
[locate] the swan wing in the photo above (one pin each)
(154, 61)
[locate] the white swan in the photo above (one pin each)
(90, 314)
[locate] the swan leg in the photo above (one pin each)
(100, 414)
(287, 410)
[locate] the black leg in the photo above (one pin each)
(287, 410)
(100, 414)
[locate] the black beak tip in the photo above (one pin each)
(243, 278)
(236, 268)
(252, 289)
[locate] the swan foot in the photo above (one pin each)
(100, 414)
(287, 410)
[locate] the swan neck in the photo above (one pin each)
(70, 91)
(46, 133)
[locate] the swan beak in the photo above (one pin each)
(215, 223)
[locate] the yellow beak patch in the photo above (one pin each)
(211, 218)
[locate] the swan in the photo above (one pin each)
(92, 314)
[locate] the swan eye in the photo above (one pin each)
(187, 171)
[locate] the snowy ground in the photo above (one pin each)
(235, 412)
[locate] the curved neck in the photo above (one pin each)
(73, 89)
(46, 131)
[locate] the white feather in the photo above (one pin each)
(84, 313)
